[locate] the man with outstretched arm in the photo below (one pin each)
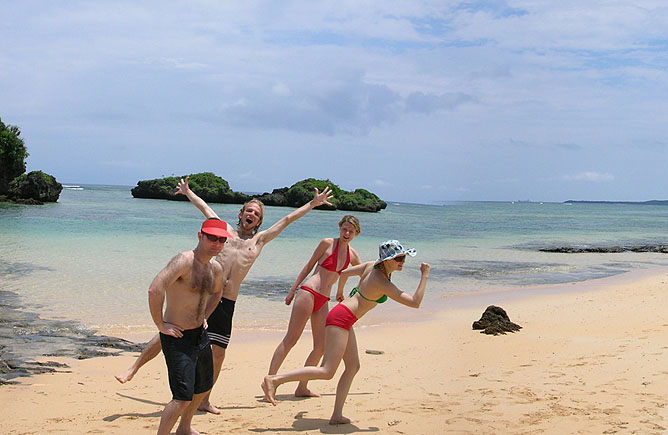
(190, 285)
(241, 250)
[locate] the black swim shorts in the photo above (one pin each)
(189, 363)
(220, 323)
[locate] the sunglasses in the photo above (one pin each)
(214, 238)
(400, 258)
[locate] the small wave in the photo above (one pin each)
(72, 187)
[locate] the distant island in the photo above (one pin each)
(652, 202)
(33, 188)
(214, 189)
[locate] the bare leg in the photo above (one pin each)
(185, 425)
(318, 331)
(302, 308)
(151, 350)
(336, 343)
(352, 361)
(218, 358)
(170, 415)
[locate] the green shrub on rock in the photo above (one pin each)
(37, 186)
(212, 188)
(302, 192)
(206, 185)
(13, 153)
(359, 200)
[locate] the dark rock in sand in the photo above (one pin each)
(26, 338)
(16, 368)
(495, 321)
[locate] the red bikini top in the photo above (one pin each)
(330, 262)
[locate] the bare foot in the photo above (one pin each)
(305, 392)
(190, 431)
(125, 377)
(339, 419)
(269, 390)
(208, 407)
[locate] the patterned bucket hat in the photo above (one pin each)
(392, 248)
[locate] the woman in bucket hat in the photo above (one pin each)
(374, 288)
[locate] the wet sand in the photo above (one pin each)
(590, 360)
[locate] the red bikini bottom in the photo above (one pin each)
(341, 316)
(319, 300)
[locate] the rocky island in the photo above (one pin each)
(214, 189)
(35, 187)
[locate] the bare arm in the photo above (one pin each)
(156, 293)
(357, 270)
(308, 267)
(355, 258)
(414, 300)
(270, 234)
(183, 189)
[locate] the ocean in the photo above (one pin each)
(86, 261)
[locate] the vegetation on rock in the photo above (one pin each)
(33, 188)
(13, 153)
(206, 185)
(212, 188)
(37, 186)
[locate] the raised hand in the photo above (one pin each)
(425, 268)
(182, 188)
(322, 198)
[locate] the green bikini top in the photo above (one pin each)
(380, 300)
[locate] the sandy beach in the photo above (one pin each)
(592, 359)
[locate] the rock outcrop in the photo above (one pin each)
(214, 189)
(495, 321)
(612, 249)
(206, 185)
(35, 187)
(15, 185)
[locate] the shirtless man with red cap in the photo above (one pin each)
(241, 251)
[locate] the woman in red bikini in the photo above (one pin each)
(330, 258)
(374, 288)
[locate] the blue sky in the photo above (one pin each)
(417, 101)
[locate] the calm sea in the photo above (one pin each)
(90, 257)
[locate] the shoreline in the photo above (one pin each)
(82, 342)
(591, 360)
(398, 313)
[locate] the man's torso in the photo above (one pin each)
(186, 298)
(237, 258)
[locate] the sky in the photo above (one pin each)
(416, 101)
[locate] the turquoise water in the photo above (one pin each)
(91, 256)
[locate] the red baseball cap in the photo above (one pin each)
(216, 228)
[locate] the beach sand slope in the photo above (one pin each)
(584, 362)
